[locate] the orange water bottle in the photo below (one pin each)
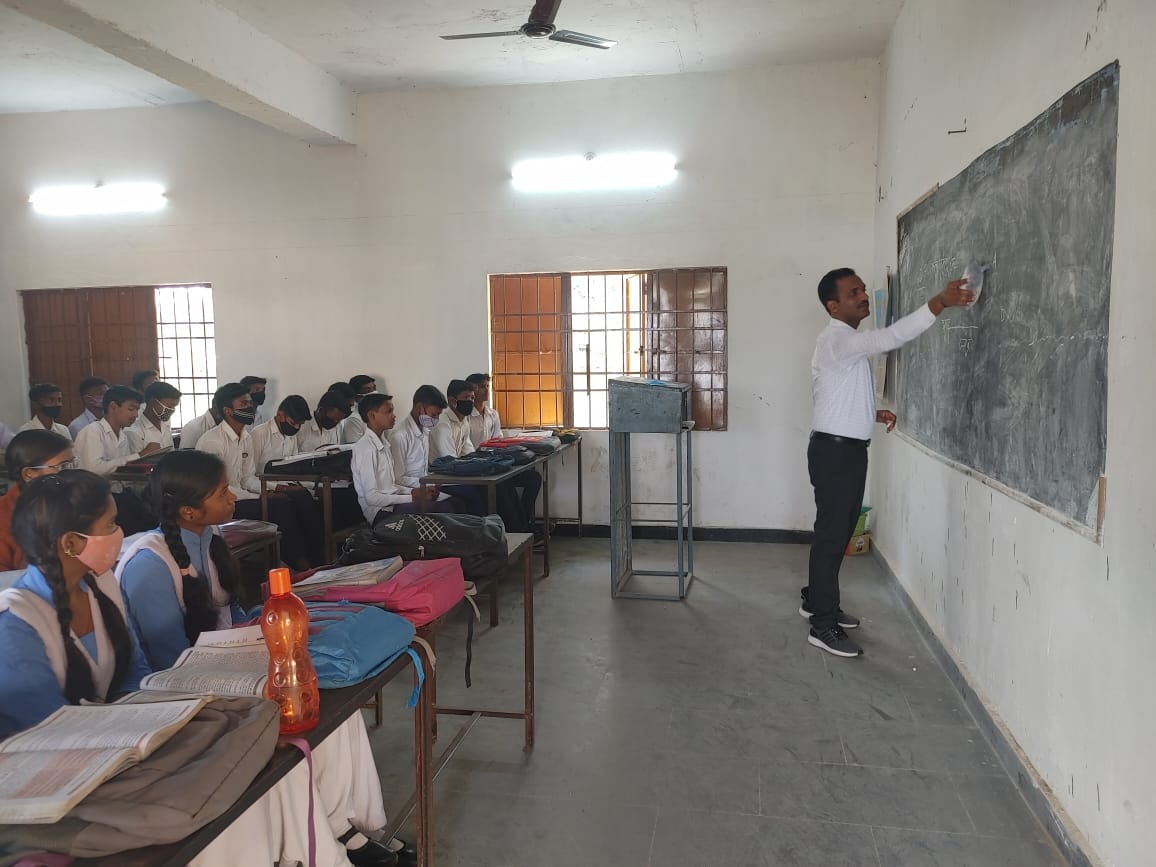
(292, 679)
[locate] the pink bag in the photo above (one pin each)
(423, 590)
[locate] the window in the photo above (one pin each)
(186, 346)
(557, 339)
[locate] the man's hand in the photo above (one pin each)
(954, 295)
(887, 417)
(424, 495)
(149, 448)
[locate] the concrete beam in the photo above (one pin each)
(212, 52)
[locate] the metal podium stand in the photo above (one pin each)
(649, 406)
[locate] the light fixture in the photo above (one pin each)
(101, 199)
(592, 172)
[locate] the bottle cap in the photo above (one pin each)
(280, 582)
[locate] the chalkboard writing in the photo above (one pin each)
(1016, 386)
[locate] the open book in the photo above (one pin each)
(48, 769)
(358, 574)
(325, 452)
(214, 670)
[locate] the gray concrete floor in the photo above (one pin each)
(709, 732)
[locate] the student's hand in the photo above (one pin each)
(424, 495)
(955, 294)
(149, 448)
(887, 417)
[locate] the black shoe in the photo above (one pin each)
(372, 854)
(834, 640)
(406, 855)
(844, 619)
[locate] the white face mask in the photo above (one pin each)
(426, 422)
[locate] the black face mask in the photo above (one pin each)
(245, 416)
(51, 411)
(324, 422)
(464, 407)
(287, 430)
(258, 397)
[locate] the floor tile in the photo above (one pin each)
(927, 849)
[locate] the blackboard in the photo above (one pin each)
(1015, 387)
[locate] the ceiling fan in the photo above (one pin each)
(540, 25)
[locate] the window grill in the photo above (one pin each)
(186, 346)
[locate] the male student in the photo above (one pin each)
(103, 446)
(378, 492)
(321, 430)
(353, 428)
(233, 444)
(47, 402)
(256, 386)
(409, 441)
(276, 439)
(486, 424)
(152, 423)
(193, 430)
(142, 379)
(92, 391)
(843, 391)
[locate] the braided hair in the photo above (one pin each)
(183, 479)
(49, 507)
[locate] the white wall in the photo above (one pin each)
(327, 261)
(1051, 628)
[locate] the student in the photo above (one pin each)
(63, 636)
(92, 391)
(142, 379)
(256, 386)
(277, 438)
(192, 431)
(152, 424)
(843, 390)
(353, 428)
(30, 455)
(451, 437)
(409, 442)
(299, 521)
(179, 580)
(321, 430)
(378, 493)
(486, 424)
(47, 402)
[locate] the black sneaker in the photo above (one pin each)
(835, 640)
(844, 619)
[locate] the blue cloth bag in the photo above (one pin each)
(350, 643)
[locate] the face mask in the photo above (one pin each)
(51, 411)
(287, 430)
(100, 552)
(258, 398)
(245, 416)
(464, 407)
(163, 412)
(425, 422)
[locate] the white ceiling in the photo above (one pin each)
(388, 44)
(45, 69)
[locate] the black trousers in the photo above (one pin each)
(839, 475)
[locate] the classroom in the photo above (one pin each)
(324, 224)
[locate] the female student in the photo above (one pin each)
(31, 454)
(178, 582)
(63, 636)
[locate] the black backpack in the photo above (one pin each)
(480, 543)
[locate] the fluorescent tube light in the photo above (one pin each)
(104, 199)
(590, 172)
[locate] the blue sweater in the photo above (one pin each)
(28, 688)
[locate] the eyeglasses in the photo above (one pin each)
(63, 465)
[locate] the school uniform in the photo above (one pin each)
(485, 424)
(99, 450)
(269, 444)
(236, 450)
(450, 436)
(373, 478)
(57, 428)
(312, 436)
(409, 447)
(353, 429)
(192, 431)
(33, 674)
(81, 422)
(142, 432)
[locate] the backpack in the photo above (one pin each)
(350, 643)
(475, 464)
(422, 591)
(480, 543)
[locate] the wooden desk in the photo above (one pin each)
(337, 705)
(325, 482)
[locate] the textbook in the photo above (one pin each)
(358, 574)
(237, 670)
(48, 769)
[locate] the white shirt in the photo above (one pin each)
(101, 451)
(842, 381)
(237, 453)
(197, 428)
(269, 444)
(6, 435)
(373, 476)
(409, 445)
(144, 431)
(484, 425)
(353, 429)
(311, 437)
(451, 436)
(80, 422)
(57, 428)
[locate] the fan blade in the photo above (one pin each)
(484, 35)
(583, 39)
(544, 11)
